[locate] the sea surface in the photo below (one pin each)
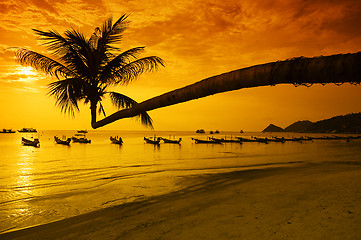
(53, 182)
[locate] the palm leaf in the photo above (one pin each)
(95, 38)
(67, 48)
(118, 62)
(101, 109)
(122, 101)
(112, 33)
(53, 41)
(67, 93)
(80, 55)
(42, 63)
(131, 71)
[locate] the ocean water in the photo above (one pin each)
(52, 182)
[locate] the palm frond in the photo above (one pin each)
(146, 120)
(95, 38)
(80, 55)
(52, 40)
(118, 62)
(122, 101)
(67, 93)
(132, 70)
(101, 109)
(67, 48)
(112, 33)
(42, 63)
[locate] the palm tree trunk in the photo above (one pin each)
(337, 69)
(93, 112)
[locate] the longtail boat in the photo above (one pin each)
(30, 142)
(80, 138)
(27, 130)
(242, 139)
(7, 131)
(223, 140)
(166, 140)
(155, 140)
(63, 142)
(116, 140)
(196, 140)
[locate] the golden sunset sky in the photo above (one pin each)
(196, 39)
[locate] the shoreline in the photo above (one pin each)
(307, 201)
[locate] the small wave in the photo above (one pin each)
(122, 200)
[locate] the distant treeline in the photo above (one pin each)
(350, 123)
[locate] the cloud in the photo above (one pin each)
(200, 38)
(58, 14)
(17, 77)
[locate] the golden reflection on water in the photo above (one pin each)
(24, 172)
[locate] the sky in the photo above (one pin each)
(196, 39)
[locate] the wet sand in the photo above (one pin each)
(303, 201)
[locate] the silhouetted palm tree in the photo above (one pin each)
(87, 68)
(336, 69)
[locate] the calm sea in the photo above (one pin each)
(52, 182)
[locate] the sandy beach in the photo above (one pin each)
(301, 201)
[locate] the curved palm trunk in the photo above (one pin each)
(93, 112)
(299, 71)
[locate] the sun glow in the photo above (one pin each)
(28, 71)
(23, 74)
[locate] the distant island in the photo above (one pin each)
(350, 123)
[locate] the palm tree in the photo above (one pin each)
(336, 69)
(86, 68)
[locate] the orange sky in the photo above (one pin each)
(197, 39)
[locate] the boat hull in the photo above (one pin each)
(222, 140)
(165, 140)
(118, 141)
(196, 140)
(28, 142)
(63, 142)
(7, 131)
(81, 140)
(151, 141)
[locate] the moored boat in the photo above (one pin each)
(275, 139)
(353, 137)
(7, 130)
(63, 142)
(27, 130)
(82, 131)
(152, 140)
(166, 140)
(224, 140)
(242, 139)
(196, 140)
(305, 139)
(80, 138)
(261, 140)
(288, 139)
(116, 140)
(30, 142)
